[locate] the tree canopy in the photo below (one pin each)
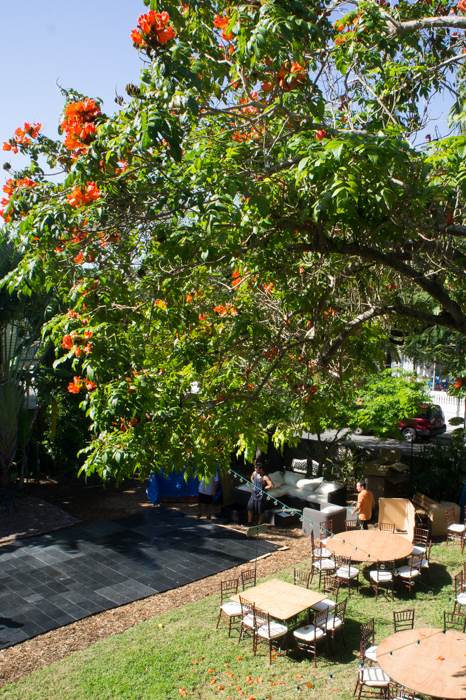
(235, 245)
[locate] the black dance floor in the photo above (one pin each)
(52, 580)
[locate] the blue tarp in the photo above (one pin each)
(174, 485)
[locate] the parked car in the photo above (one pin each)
(428, 421)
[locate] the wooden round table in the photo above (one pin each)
(370, 545)
(427, 661)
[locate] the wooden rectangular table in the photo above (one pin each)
(280, 599)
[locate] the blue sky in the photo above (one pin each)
(85, 45)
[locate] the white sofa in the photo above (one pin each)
(296, 491)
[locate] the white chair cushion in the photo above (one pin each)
(231, 609)
(276, 630)
(456, 527)
(347, 572)
(371, 653)
(307, 633)
(425, 564)
(374, 677)
(333, 623)
(324, 565)
(405, 572)
(325, 603)
(461, 599)
(322, 552)
(417, 549)
(248, 621)
(381, 576)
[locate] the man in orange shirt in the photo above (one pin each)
(364, 507)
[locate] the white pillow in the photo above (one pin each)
(327, 487)
(309, 484)
(276, 478)
(292, 479)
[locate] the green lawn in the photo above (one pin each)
(181, 654)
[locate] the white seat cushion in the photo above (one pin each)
(231, 609)
(322, 552)
(381, 576)
(371, 653)
(347, 572)
(374, 677)
(324, 564)
(325, 603)
(417, 549)
(333, 623)
(425, 564)
(405, 572)
(276, 630)
(461, 599)
(306, 634)
(456, 527)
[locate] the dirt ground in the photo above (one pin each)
(92, 503)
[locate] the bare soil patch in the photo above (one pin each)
(92, 503)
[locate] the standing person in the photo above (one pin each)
(256, 503)
(207, 491)
(364, 506)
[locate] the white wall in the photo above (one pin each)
(451, 406)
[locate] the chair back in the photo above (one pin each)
(415, 562)
(302, 578)
(248, 578)
(387, 527)
(403, 620)
(299, 465)
(246, 606)
(454, 621)
(368, 633)
(340, 610)
(228, 589)
(450, 516)
(421, 536)
(351, 525)
(342, 561)
(426, 556)
(261, 619)
(320, 619)
(386, 566)
(325, 529)
(331, 585)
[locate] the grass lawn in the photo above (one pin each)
(181, 654)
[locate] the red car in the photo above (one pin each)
(428, 421)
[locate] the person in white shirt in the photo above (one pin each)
(207, 491)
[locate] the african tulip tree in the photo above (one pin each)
(235, 243)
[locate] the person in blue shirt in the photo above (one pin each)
(261, 483)
(207, 491)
